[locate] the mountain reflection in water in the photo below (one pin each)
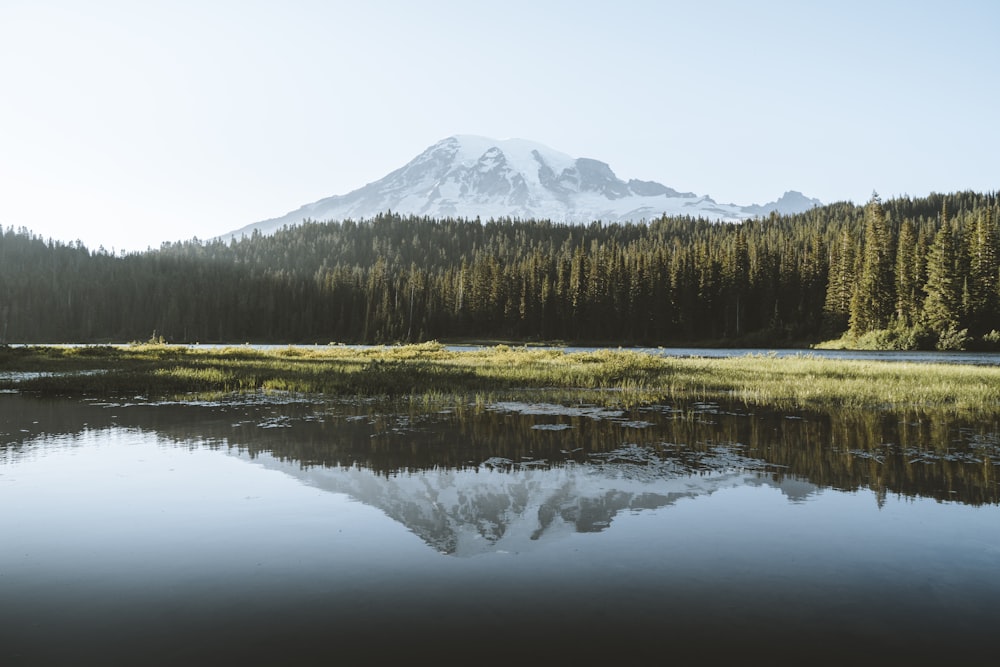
(904, 454)
(574, 528)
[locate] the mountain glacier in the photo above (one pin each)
(467, 176)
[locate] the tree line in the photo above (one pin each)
(901, 273)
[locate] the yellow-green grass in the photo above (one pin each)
(608, 377)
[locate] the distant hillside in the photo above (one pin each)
(906, 273)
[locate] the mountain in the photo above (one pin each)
(504, 506)
(468, 176)
(789, 203)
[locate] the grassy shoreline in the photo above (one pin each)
(607, 377)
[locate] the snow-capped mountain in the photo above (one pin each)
(502, 506)
(468, 176)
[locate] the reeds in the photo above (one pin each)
(606, 377)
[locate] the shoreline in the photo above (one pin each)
(428, 370)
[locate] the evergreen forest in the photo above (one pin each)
(905, 273)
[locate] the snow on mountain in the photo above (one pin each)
(468, 176)
(502, 506)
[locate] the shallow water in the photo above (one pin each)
(281, 529)
(919, 356)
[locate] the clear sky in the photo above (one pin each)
(126, 123)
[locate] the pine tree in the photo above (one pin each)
(737, 276)
(984, 267)
(908, 288)
(840, 282)
(873, 301)
(942, 307)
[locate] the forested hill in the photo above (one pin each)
(919, 272)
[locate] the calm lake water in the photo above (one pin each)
(976, 358)
(275, 529)
(920, 356)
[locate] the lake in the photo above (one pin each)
(917, 356)
(285, 529)
(913, 356)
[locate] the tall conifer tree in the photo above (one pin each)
(873, 301)
(942, 307)
(909, 297)
(984, 274)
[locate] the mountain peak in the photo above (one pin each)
(789, 203)
(527, 157)
(469, 176)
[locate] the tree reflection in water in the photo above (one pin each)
(515, 495)
(938, 456)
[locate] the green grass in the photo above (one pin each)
(607, 377)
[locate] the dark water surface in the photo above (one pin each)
(283, 530)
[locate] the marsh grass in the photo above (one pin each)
(429, 370)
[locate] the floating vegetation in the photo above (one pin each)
(722, 457)
(635, 423)
(551, 409)
(638, 462)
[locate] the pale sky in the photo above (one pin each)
(127, 123)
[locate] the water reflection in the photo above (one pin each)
(466, 479)
(277, 529)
